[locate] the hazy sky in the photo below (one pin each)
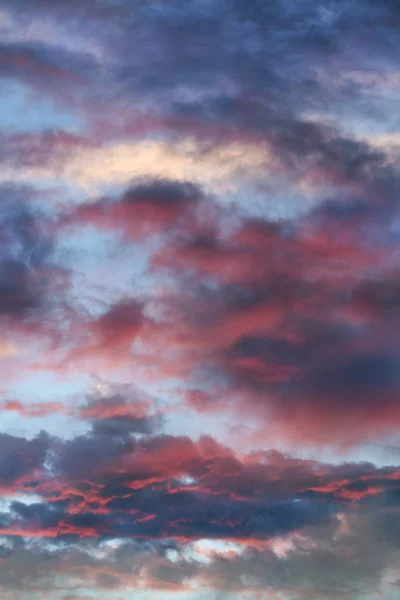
(199, 300)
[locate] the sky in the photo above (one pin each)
(199, 300)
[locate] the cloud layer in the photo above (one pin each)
(199, 300)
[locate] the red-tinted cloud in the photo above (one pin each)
(111, 336)
(164, 486)
(297, 323)
(146, 209)
(36, 410)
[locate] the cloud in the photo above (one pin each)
(36, 410)
(109, 483)
(248, 303)
(93, 166)
(108, 339)
(21, 458)
(267, 518)
(150, 207)
(28, 275)
(226, 201)
(250, 309)
(119, 411)
(47, 69)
